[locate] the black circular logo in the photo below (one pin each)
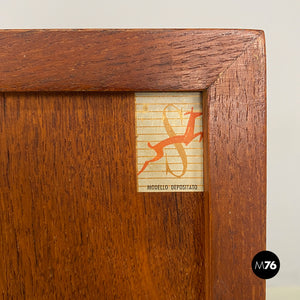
(265, 264)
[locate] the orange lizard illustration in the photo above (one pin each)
(186, 138)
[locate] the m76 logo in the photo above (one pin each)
(267, 264)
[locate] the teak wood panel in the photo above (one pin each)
(117, 60)
(229, 65)
(236, 179)
(72, 222)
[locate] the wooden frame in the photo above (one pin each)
(228, 65)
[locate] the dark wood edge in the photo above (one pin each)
(118, 60)
(207, 206)
(235, 175)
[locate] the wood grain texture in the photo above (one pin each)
(236, 176)
(117, 60)
(72, 223)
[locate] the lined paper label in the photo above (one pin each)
(169, 142)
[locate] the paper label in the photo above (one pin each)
(169, 142)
